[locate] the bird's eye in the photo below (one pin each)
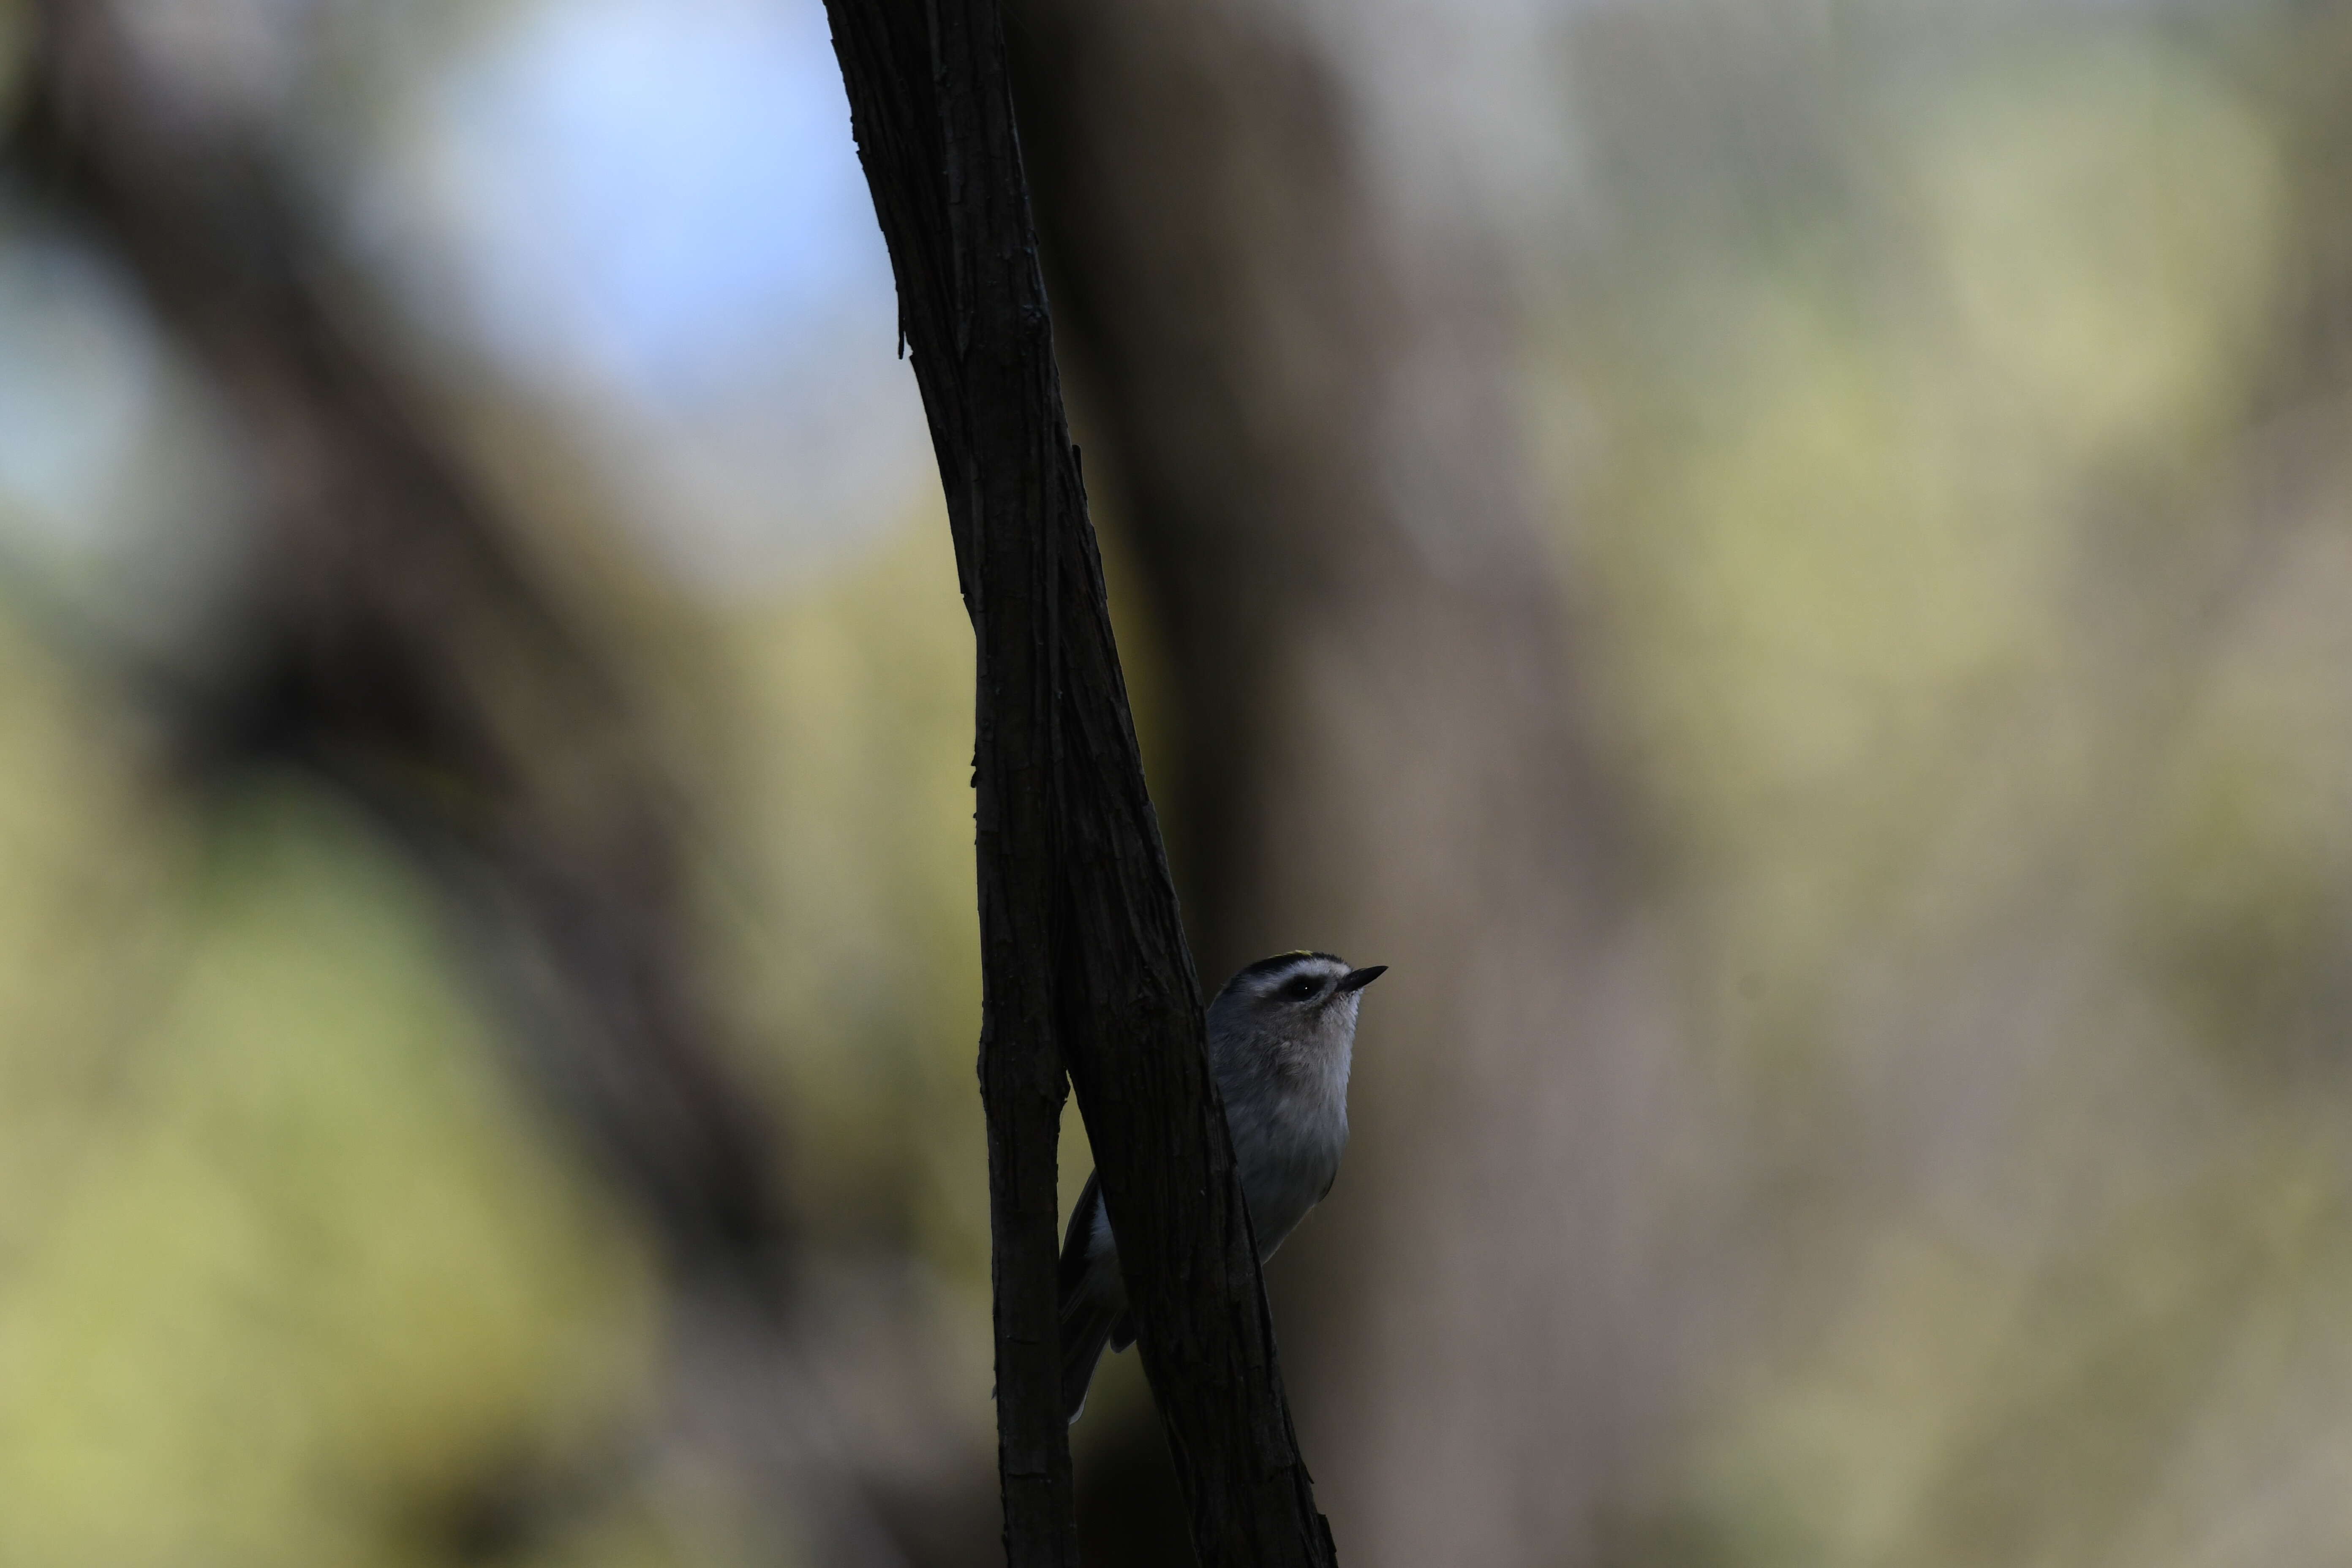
(1302, 988)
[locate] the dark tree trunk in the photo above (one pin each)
(1084, 954)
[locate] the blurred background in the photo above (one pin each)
(1789, 568)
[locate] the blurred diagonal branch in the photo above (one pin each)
(400, 652)
(1083, 951)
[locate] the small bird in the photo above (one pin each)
(1280, 1037)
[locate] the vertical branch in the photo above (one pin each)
(1085, 959)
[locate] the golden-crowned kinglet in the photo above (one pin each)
(1280, 1036)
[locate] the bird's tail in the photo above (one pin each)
(1086, 1324)
(1094, 1299)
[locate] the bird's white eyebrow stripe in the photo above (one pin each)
(1270, 975)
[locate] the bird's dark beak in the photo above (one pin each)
(1356, 979)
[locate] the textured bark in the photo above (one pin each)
(1083, 951)
(1306, 410)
